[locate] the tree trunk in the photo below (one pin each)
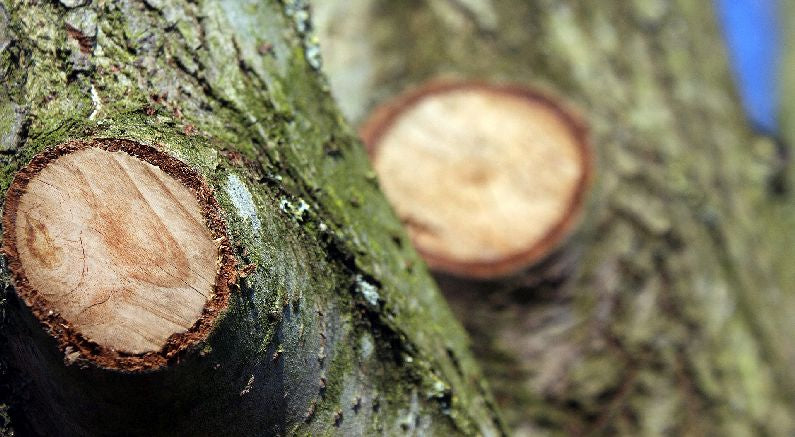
(331, 323)
(677, 314)
(786, 87)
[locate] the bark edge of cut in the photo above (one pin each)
(75, 346)
(375, 127)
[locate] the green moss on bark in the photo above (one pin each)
(232, 89)
(676, 317)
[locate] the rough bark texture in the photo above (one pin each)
(677, 318)
(787, 84)
(337, 329)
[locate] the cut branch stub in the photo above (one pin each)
(119, 250)
(488, 178)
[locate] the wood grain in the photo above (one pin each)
(479, 175)
(118, 247)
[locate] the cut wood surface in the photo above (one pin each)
(675, 317)
(112, 244)
(487, 178)
(331, 325)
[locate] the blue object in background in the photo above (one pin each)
(752, 32)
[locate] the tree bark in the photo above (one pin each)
(786, 86)
(334, 325)
(675, 318)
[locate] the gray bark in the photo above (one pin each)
(676, 317)
(339, 328)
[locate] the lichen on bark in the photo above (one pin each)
(232, 89)
(676, 317)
